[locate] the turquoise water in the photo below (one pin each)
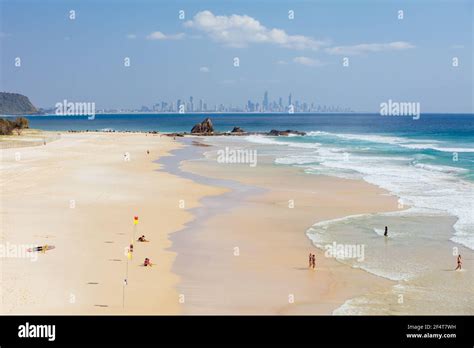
(426, 171)
(433, 139)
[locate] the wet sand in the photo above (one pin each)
(250, 255)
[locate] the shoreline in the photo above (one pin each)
(305, 301)
(424, 286)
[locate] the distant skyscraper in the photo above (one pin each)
(289, 100)
(200, 105)
(191, 105)
(265, 101)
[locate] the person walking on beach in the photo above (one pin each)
(310, 260)
(459, 263)
(313, 261)
(386, 232)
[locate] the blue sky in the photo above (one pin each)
(171, 58)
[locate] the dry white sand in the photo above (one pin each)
(80, 195)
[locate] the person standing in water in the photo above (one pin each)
(459, 263)
(386, 232)
(313, 261)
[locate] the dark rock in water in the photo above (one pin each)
(237, 130)
(285, 133)
(205, 127)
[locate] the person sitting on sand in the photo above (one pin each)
(386, 232)
(459, 263)
(147, 262)
(142, 239)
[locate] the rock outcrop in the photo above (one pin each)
(287, 132)
(237, 130)
(205, 127)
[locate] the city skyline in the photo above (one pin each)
(191, 105)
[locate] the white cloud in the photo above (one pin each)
(158, 35)
(131, 36)
(457, 46)
(368, 48)
(242, 30)
(307, 61)
(204, 69)
(282, 62)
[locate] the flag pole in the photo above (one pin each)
(129, 257)
(125, 283)
(123, 295)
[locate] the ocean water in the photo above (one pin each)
(417, 256)
(425, 173)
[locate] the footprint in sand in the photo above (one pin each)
(92, 283)
(45, 236)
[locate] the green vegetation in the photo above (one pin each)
(8, 126)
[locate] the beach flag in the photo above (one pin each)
(135, 220)
(129, 255)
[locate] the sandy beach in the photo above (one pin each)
(223, 238)
(80, 195)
